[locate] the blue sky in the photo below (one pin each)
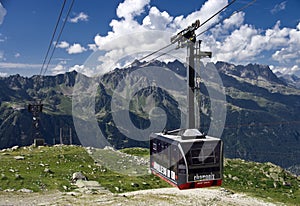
(268, 32)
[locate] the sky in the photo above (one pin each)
(267, 32)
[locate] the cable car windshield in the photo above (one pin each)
(202, 152)
(203, 159)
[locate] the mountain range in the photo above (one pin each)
(262, 117)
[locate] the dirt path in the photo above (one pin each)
(165, 196)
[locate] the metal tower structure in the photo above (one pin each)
(36, 108)
(187, 38)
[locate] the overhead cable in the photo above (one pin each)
(59, 35)
(53, 34)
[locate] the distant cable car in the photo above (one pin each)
(187, 158)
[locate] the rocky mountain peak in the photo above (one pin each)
(250, 71)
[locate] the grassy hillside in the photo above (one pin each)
(51, 168)
(48, 168)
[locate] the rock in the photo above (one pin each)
(14, 148)
(18, 177)
(65, 187)
(286, 184)
(145, 183)
(235, 178)
(24, 190)
(227, 192)
(90, 187)
(73, 194)
(78, 176)
(9, 190)
(19, 157)
(47, 170)
(109, 148)
(135, 184)
(11, 170)
(3, 177)
(274, 176)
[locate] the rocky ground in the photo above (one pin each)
(90, 193)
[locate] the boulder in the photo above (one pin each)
(24, 190)
(78, 176)
(19, 157)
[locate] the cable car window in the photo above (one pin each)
(201, 153)
(159, 146)
(175, 156)
(154, 147)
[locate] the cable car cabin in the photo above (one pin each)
(186, 158)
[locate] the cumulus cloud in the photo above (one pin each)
(2, 55)
(58, 69)
(2, 13)
(130, 8)
(76, 49)
(128, 35)
(3, 74)
(290, 52)
(246, 44)
(17, 55)
(286, 70)
(157, 19)
(82, 69)
(9, 65)
(278, 7)
(232, 40)
(63, 45)
(79, 17)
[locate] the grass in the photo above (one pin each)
(137, 151)
(262, 180)
(63, 161)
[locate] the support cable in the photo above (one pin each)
(53, 34)
(218, 12)
(235, 12)
(59, 35)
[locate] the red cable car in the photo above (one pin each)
(187, 158)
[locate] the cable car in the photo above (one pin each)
(187, 158)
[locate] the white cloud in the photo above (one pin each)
(63, 45)
(3, 74)
(58, 69)
(93, 47)
(76, 49)
(79, 17)
(228, 25)
(17, 55)
(130, 8)
(231, 40)
(2, 13)
(2, 39)
(286, 70)
(278, 7)
(290, 51)
(82, 69)
(247, 44)
(157, 20)
(128, 36)
(9, 65)
(208, 9)
(2, 55)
